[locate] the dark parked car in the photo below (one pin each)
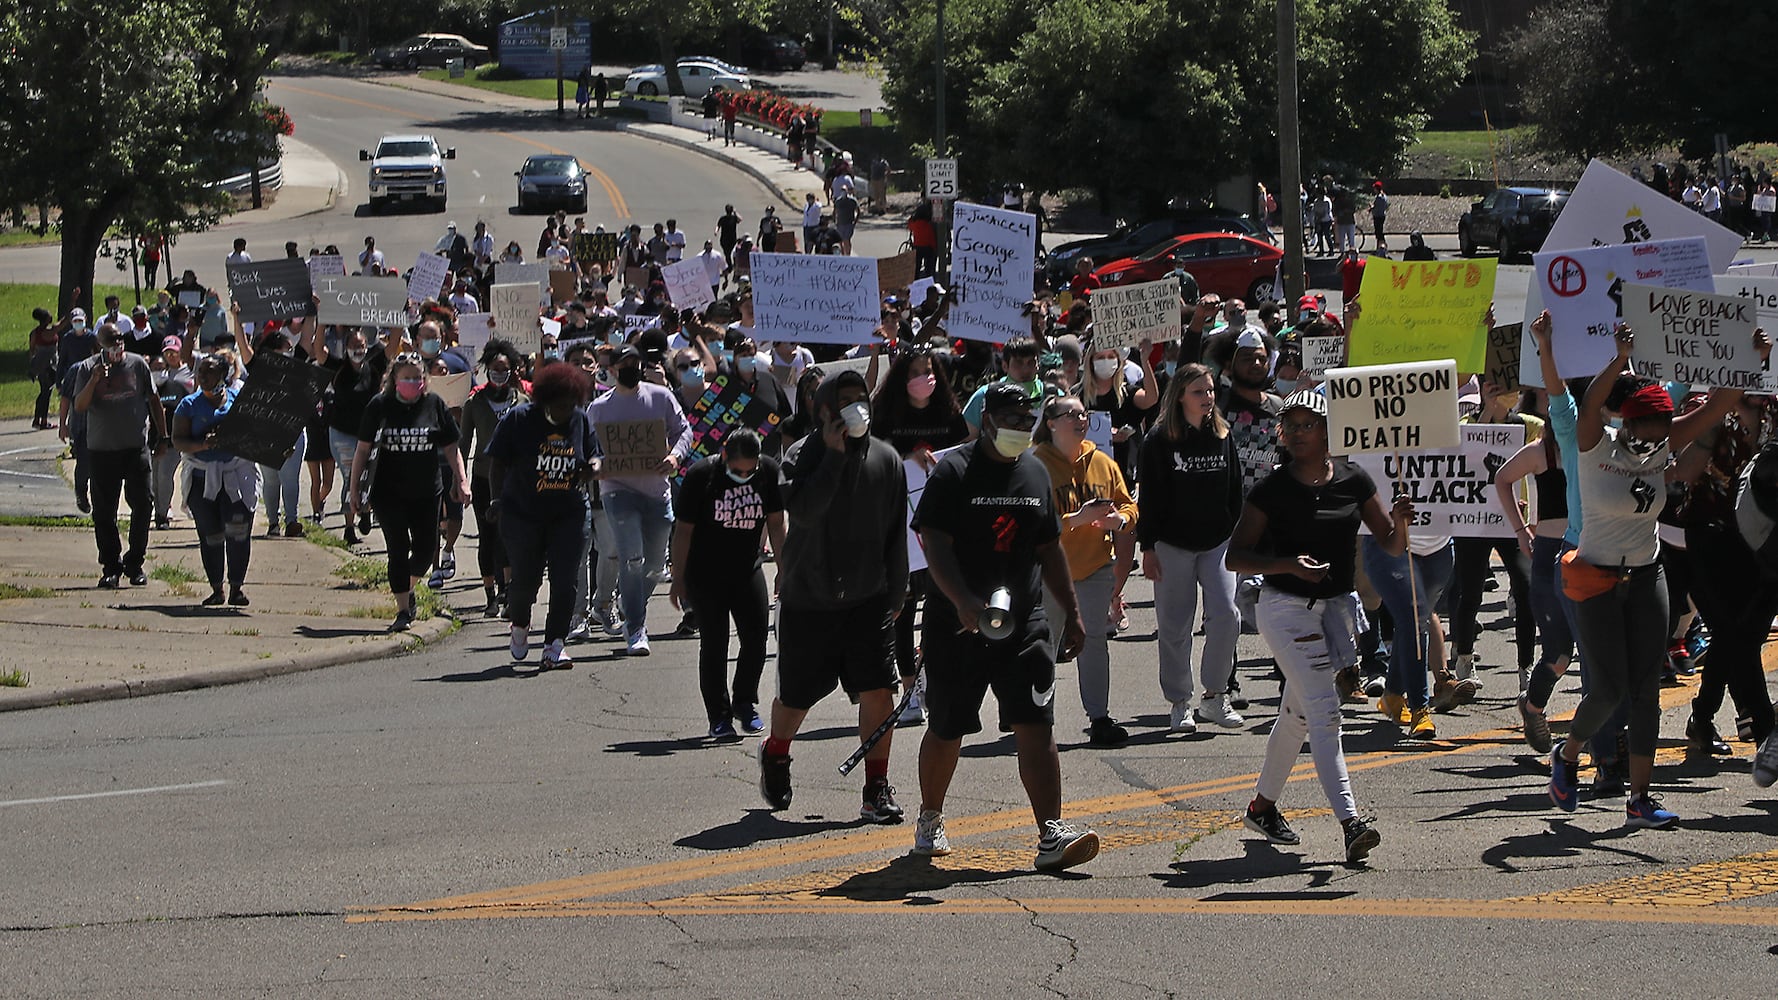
(1128, 241)
(431, 50)
(551, 179)
(1514, 220)
(774, 53)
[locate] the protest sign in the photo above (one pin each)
(1700, 338)
(895, 273)
(688, 284)
(1453, 489)
(815, 299)
(473, 330)
(1099, 429)
(1765, 203)
(1754, 270)
(1583, 291)
(453, 389)
(563, 286)
(533, 274)
(634, 324)
(724, 406)
(362, 301)
(1322, 353)
(426, 280)
(276, 402)
(191, 298)
(515, 315)
(860, 365)
(991, 271)
(1408, 407)
(323, 265)
(1419, 311)
(550, 328)
(1502, 364)
(1126, 315)
(594, 248)
(273, 289)
(631, 447)
(1762, 289)
(916, 478)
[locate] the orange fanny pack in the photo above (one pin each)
(1583, 581)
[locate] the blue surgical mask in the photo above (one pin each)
(1170, 367)
(693, 375)
(738, 478)
(431, 346)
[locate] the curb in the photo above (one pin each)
(420, 636)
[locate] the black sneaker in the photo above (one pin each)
(83, 505)
(1236, 700)
(237, 599)
(1702, 736)
(1270, 824)
(1610, 779)
(108, 581)
(879, 803)
(1107, 733)
(688, 627)
(137, 577)
(774, 778)
(214, 600)
(1361, 839)
(492, 609)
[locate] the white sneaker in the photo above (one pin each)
(638, 643)
(929, 834)
(612, 620)
(447, 564)
(1181, 720)
(1065, 845)
(1765, 763)
(521, 643)
(581, 632)
(1217, 711)
(555, 657)
(915, 713)
(1465, 670)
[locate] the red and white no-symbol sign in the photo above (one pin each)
(1566, 277)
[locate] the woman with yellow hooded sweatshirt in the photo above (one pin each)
(1095, 505)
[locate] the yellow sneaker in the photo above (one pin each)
(1420, 725)
(1394, 708)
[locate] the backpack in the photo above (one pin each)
(1756, 508)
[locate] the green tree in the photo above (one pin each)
(131, 111)
(1582, 98)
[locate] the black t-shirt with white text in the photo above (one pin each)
(543, 462)
(727, 518)
(1321, 521)
(407, 437)
(997, 515)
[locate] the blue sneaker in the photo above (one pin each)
(1564, 782)
(722, 729)
(748, 721)
(1644, 812)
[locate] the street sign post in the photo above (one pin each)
(941, 179)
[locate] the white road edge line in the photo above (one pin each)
(27, 475)
(35, 447)
(107, 795)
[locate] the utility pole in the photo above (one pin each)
(830, 62)
(938, 146)
(1290, 169)
(556, 22)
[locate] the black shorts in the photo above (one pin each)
(852, 648)
(960, 668)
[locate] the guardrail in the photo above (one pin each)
(271, 177)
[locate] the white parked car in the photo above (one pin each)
(698, 76)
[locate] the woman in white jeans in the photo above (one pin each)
(1191, 498)
(1299, 529)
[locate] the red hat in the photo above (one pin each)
(1648, 401)
(1376, 185)
(1308, 302)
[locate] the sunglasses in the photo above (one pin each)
(1015, 420)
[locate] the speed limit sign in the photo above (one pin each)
(941, 179)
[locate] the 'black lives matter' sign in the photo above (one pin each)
(272, 408)
(273, 289)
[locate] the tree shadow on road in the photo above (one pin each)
(758, 826)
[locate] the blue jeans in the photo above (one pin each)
(284, 482)
(642, 526)
(1389, 575)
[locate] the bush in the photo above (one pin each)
(1444, 191)
(495, 71)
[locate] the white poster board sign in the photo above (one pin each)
(428, 277)
(1765, 203)
(688, 284)
(916, 477)
(1584, 292)
(815, 299)
(1392, 408)
(1700, 338)
(992, 253)
(324, 265)
(361, 301)
(1126, 315)
(1754, 270)
(534, 274)
(515, 315)
(1452, 489)
(1099, 429)
(473, 330)
(1319, 354)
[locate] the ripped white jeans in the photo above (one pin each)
(1311, 641)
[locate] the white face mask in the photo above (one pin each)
(1011, 443)
(856, 417)
(1105, 367)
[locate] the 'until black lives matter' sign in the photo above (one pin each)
(1386, 408)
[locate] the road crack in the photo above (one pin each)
(1073, 945)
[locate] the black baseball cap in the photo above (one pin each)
(1005, 396)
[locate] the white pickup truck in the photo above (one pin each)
(407, 168)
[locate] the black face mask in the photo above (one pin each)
(629, 376)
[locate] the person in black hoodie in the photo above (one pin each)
(1191, 499)
(843, 576)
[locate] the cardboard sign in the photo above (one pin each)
(1765, 203)
(1392, 408)
(1320, 354)
(724, 406)
(594, 248)
(426, 280)
(1700, 338)
(895, 273)
(453, 389)
(515, 315)
(815, 299)
(1584, 291)
(1502, 364)
(688, 284)
(631, 447)
(992, 265)
(273, 289)
(536, 275)
(362, 301)
(1420, 311)
(473, 330)
(323, 265)
(1453, 489)
(563, 286)
(1126, 315)
(274, 405)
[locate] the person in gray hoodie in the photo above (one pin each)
(842, 576)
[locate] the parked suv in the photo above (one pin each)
(407, 168)
(1515, 220)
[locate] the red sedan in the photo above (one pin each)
(1234, 267)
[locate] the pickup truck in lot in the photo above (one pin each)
(407, 168)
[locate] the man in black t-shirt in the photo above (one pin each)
(993, 540)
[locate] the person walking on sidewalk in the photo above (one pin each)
(843, 577)
(1299, 529)
(114, 390)
(988, 521)
(726, 503)
(221, 488)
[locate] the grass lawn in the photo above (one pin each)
(543, 90)
(17, 392)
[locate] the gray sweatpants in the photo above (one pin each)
(1093, 665)
(1624, 635)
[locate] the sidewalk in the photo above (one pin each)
(78, 643)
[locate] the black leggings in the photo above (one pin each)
(746, 602)
(919, 585)
(1677, 567)
(490, 549)
(410, 530)
(1467, 580)
(1738, 601)
(45, 384)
